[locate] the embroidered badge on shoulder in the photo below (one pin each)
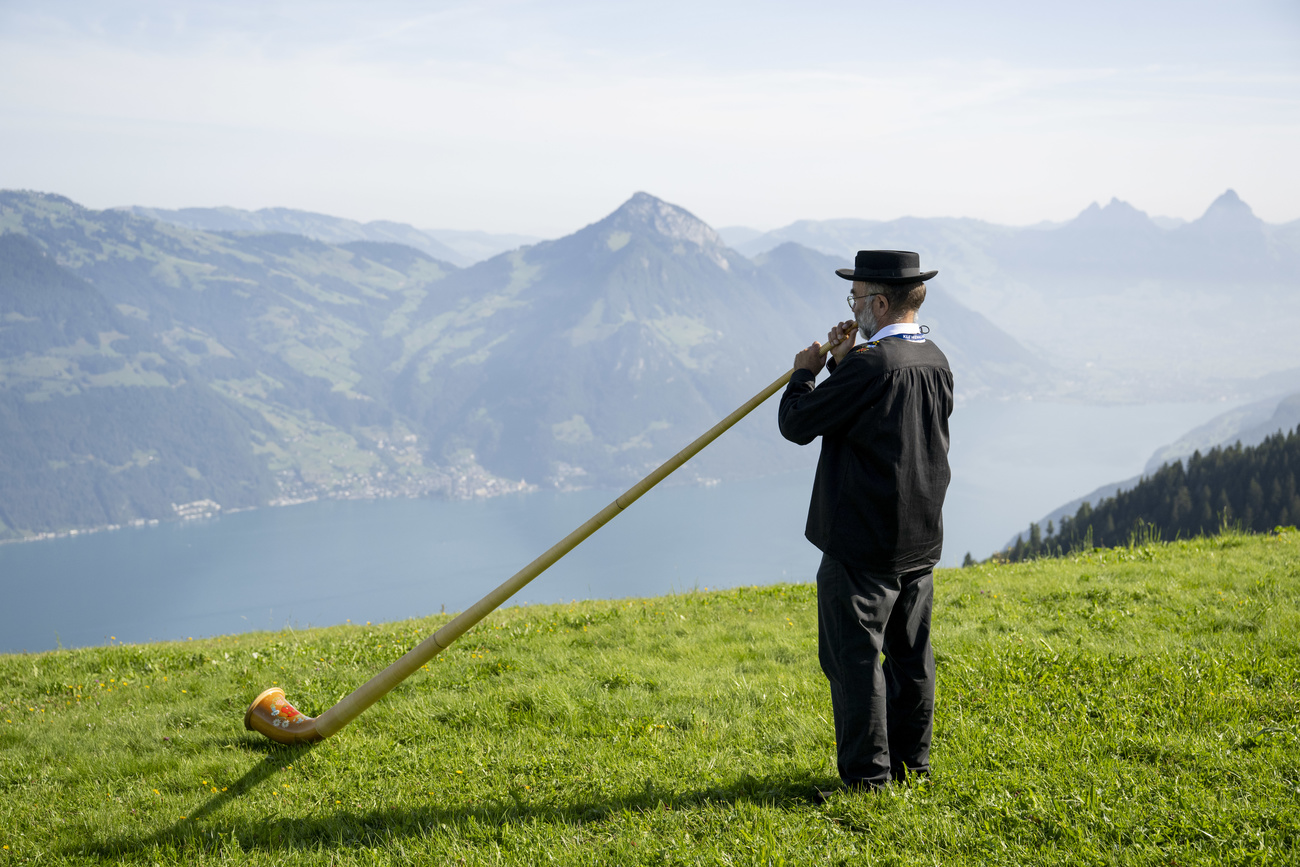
(863, 347)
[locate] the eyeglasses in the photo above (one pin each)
(853, 299)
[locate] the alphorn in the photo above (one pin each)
(273, 715)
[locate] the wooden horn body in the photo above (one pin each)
(271, 713)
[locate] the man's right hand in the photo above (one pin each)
(841, 338)
(810, 359)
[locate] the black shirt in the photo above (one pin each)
(877, 502)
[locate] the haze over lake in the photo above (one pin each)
(330, 561)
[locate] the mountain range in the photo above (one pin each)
(459, 247)
(151, 370)
(160, 364)
(1124, 305)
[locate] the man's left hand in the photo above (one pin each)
(810, 359)
(842, 337)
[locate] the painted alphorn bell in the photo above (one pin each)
(273, 715)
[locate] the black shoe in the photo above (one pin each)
(905, 775)
(821, 796)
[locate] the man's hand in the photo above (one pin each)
(810, 359)
(842, 337)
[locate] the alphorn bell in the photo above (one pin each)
(273, 715)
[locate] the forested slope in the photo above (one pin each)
(1253, 487)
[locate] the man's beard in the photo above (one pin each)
(866, 322)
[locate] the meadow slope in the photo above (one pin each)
(1130, 706)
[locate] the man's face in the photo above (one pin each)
(863, 298)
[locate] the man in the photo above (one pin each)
(876, 514)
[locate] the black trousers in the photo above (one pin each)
(884, 712)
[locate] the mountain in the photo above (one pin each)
(1109, 241)
(1249, 425)
(1227, 242)
(247, 358)
(617, 343)
(99, 419)
(368, 369)
(1227, 245)
(628, 338)
(1128, 305)
(460, 248)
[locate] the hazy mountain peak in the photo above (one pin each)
(1229, 208)
(1116, 213)
(1230, 223)
(645, 213)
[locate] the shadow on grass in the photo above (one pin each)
(275, 757)
(348, 828)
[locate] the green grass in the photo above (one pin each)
(1132, 706)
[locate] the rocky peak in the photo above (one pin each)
(643, 213)
(1116, 214)
(1228, 211)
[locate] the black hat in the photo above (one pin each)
(886, 266)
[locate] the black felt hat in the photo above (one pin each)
(886, 266)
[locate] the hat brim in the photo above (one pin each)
(850, 274)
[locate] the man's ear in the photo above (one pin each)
(884, 299)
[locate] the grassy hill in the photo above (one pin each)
(1134, 705)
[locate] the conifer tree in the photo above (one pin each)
(1249, 488)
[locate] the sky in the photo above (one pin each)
(542, 117)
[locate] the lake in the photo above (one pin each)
(332, 561)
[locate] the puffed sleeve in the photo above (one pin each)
(808, 410)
